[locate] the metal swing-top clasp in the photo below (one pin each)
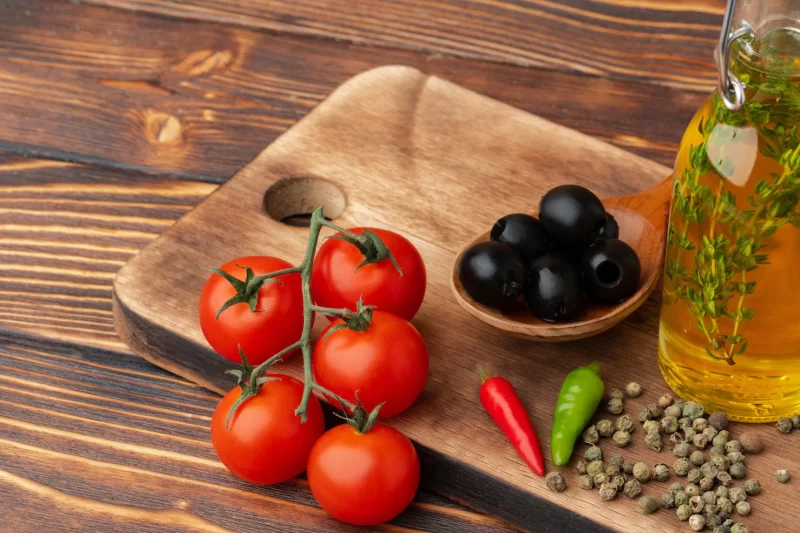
(731, 88)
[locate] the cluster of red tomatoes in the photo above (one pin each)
(359, 477)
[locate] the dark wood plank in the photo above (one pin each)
(65, 229)
(198, 100)
(669, 43)
(90, 437)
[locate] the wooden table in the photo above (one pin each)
(118, 116)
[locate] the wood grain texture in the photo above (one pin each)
(669, 43)
(65, 229)
(386, 136)
(91, 440)
(198, 100)
(642, 220)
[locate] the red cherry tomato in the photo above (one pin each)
(266, 442)
(364, 480)
(336, 283)
(388, 362)
(277, 324)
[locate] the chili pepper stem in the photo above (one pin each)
(482, 373)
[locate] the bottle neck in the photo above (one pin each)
(774, 46)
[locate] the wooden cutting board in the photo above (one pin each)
(397, 149)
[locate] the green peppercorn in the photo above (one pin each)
(667, 500)
(733, 446)
(681, 498)
(736, 495)
(785, 425)
(740, 528)
(712, 520)
(721, 462)
(782, 475)
(710, 499)
(641, 472)
(616, 392)
(721, 439)
(648, 504)
(617, 460)
(736, 457)
(625, 423)
(710, 432)
(706, 484)
(580, 467)
(669, 425)
(594, 468)
(586, 482)
(722, 492)
(591, 436)
(593, 453)
(684, 422)
(752, 487)
(660, 472)
(612, 470)
(674, 411)
(599, 479)
(632, 489)
(665, 401)
(681, 467)
(688, 434)
(743, 508)
(709, 470)
(684, 512)
(653, 441)
(556, 481)
(655, 410)
(627, 466)
(614, 406)
(633, 389)
(717, 451)
(697, 522)
(644, 415)
(697, 458)
(608, 491)
(693, 410)
(619, 480)
(737, 471)
(651, 426)
(694, 476)
(796, 421)
(675, 487)
(675, 439)
(724, 479)
(621, 438)
(692, 490)
(682, 450)
(699, 424)
(700, 441)
(724, 504)
(605, 428)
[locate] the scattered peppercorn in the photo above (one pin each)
(625, 423)
(684, 512)
(669, 425)
(627, 466)
(619, 480)
(681, 498)
(648, 504)
(599, 479)
(785, 425)
(556, 481)
(605, 428)
(706, 484)
(616, 392)
(735, 457)
(709, 470)
(710, 499)
(700, 441)
(752, 487)
(674, 410)
(796, 421)
(668, 500)
(594, 468)
(644, 415)
(655, 410)
(733, 446)
(740, 528)
(682, 450)
(661, 472)
(633, 389)
(721, 439)
(692, 490)
(591, 436)
(697, 458)
(724, 479)
(586, 482)
(782, 475)
(580, 467)
(743, 508)
(684, 422)
(736, 495)
(612, 470)
(738, 471)
(722, 492)
(688, 434)
(665, 401)
(614, 406)
(712, 519)
(697, 522)
(717, 451)
(699, 424)
(718, 420)
(675, 439)
(693, 410)
(724, 504)
(632, 489)
(675, 487)
(641, 472)
(608, 491)
(621, 438)
(721, 462)
(651, 426)
(681, 467)
(751, 442)
(593, 454)
(710, 432)
(653, 441)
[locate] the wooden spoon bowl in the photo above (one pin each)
(642, 221)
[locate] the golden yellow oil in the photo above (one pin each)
(701, 361)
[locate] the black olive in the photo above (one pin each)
(554, 288)
(491, 273)
(572, 215)
(523, 233)
(611, 271)
(611, 229)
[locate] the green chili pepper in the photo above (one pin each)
(577, 402)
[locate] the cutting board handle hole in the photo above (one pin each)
(292, 200)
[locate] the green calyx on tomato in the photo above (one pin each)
(361, 420)
(249, 381)
(371, 247)
(358, 321)
(247, 290)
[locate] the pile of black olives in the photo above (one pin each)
(571, 252)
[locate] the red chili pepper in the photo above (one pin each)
(504, 406)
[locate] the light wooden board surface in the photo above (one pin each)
(438, 163)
